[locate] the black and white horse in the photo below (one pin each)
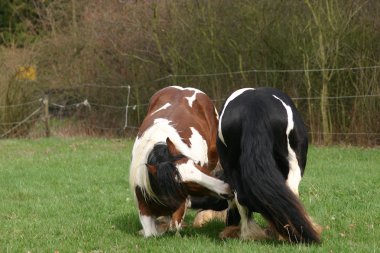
(262, 145)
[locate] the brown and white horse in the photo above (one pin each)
(173, 155)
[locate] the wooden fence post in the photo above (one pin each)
(45, 104)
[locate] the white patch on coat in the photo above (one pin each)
(161, 108)
(216, 113)
(189, 173)
(198, 147)
(294, 175)
(232, 97)
(192, 98)
(187, 88)
(158, 132)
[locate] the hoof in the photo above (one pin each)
(206, 216)
(230, 232)
(271, 233)
(318, 228)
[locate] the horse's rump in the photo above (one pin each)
(173, 154)
(262, 144)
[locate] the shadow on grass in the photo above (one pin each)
(127, 223)
(130, 224)
(212, 229)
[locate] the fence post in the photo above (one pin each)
(126, 108)
(46, 117)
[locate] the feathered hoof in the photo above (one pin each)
(162, 224)
(318, 228)
(206, 216)
(230, 232)
(272, 234)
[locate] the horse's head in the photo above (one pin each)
(175, 176)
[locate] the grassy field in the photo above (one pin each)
(72, 195)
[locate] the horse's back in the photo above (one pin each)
(186, 98)
(255, 106)
(187, 108)
(252, 107)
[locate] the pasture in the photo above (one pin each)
(72, 195)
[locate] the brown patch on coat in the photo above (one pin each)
(201, 116)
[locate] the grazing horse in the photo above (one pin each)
(173, 155)
(262, 144)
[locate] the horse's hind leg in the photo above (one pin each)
(249, 230)
(177, 218)
(149, 225)
(147, 219)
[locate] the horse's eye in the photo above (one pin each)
(199, 163)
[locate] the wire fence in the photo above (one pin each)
(38, 115)
(41, 113)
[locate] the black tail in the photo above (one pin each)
(164, 177)
(267, 191)
(168, 179)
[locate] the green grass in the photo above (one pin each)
(72, 195)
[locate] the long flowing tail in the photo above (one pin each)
(267, 192)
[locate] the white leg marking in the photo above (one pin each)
(244, 230)
(190, 173)
(294, 175)
(178, 226)
(249, 229)
(149, 225)
(232, 97)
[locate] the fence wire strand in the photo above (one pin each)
(21, 122)
(266, 71)
(128, 106)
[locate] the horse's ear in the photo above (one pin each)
(171, 147)
(152, 169)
